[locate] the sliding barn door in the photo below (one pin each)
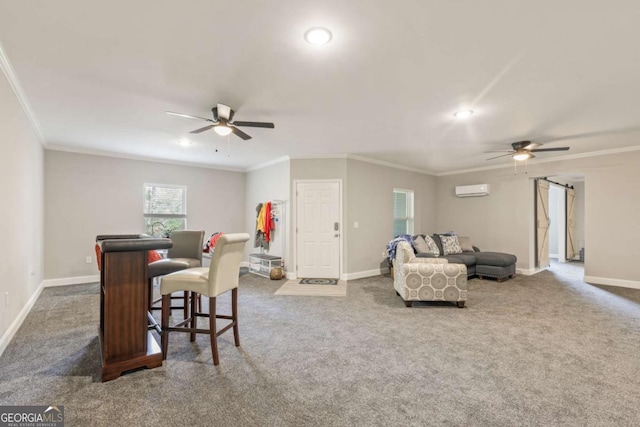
(542, 223)
(571, 224)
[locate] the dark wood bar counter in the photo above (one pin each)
(125, 341)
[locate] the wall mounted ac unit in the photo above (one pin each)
(472, 190)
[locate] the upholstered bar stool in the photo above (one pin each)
(220, 277)
(186, 252)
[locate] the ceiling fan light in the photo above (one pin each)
(222, 130)
(463, 114)
(521, 156)
(317, 36)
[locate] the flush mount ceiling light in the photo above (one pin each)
(222, 130)
(317, 36)
(522, 155)
(184, 142)
(463, 114)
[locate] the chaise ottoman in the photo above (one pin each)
(495, 264)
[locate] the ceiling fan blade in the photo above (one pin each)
(532, 145)
(240, 133)
(188, 116)
(202, 129)
(535, 150)
(224, 111)
(255, 124)
(504, 155)
(498, 151)
(214, 110)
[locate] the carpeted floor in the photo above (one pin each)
(294, 287)
(532, 351)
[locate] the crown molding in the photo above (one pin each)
(268, 163)
(12, 78)
(320, 156)
(363, 159)
(389, 164)
(555, 159)
(91, 152)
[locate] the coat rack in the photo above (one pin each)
(278, 214)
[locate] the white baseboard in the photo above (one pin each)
(17, 322)
(363, 274)
(291, 275)
(612, 282)
(244, 264)
(528, 271)
(64, 281)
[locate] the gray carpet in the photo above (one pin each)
(539, 350)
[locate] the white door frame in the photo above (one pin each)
(294, 214)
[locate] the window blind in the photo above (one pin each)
(402, 212)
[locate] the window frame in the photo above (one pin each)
(410, 210)
(151, 215)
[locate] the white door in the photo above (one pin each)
(542, 223)
(318, 229)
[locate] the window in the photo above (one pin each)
(402, 212)
(165, 209)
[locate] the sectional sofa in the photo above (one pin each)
(459, 250)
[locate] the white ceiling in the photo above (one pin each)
(100, 75)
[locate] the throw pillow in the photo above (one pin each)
(420, 245)
(98, 255)
(433, 247)
(153, 256)
(450, 245)
(436, 239)
(426, 245)
(465, 244)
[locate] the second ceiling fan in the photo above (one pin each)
(222, 122)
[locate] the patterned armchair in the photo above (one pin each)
(428, 279)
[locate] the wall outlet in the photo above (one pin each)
(88, 260)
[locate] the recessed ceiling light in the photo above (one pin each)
(463, 114)
(317, 36)
(185, 142)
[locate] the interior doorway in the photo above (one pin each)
(557, 223)
(559, 214)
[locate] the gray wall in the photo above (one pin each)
(87, 195)
(268, 184)
(503, 221)
(370, 203)
(367, 190)
(498, 222)
(21, 211)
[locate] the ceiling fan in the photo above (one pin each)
(522, 150)
(223, 123)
